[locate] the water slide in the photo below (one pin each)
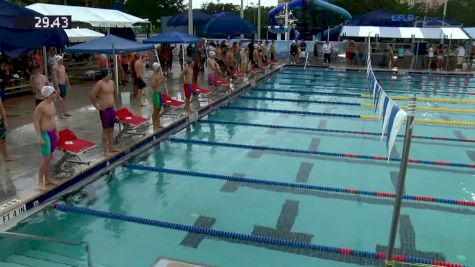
(317, 4)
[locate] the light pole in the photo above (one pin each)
(190, 17)
(258, 19)
(445, 13)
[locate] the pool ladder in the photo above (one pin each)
(52, 240)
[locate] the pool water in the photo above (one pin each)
(433, 231)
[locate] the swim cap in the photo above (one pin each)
(104, 73)
(58, 58)
(155, 66)
(47, 91)
(212, 53)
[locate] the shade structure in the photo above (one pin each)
(199, 18)
(228, 24)
(80, 35)
(172, 38)
(109, 44)
(15, 42)
(405, 32)
(380, 17)
(97, 17)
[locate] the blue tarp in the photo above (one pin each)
(172, 38)
(199, 18)
(379, 17)
(104, 46)
(229, 24)
(15, 42)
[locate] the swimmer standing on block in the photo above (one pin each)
(156, 82)
(102, 98)
(45, 126)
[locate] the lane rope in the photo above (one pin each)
(436, 138)
(380, 256)
(320, 153)
(406, 98)
(271, 182)
(345, 87)
(364, 104)
(340, 115)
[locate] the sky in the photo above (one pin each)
(197, 3)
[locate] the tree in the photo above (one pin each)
(154, 9)
(459, 10)
(213, 8)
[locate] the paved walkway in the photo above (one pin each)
(18, 179)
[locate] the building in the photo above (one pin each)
(430, 4)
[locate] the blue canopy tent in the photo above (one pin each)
(110, 45)
(172, 38)
(15, 42)
(199, 18)
(229, 24)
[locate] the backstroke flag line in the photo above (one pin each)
(391, 114)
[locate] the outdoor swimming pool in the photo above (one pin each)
(281, 131)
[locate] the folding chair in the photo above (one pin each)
(72, 148)
(172, 105)
(131, 123)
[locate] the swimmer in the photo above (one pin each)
(156, 82)
(61, 83)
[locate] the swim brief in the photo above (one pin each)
(63, 89)
(188, 90)
(139, 82)
(156, 99)
(50, 142)
(3, 130)
(107, 117)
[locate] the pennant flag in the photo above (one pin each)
(396, 119)
(376, 92)
(389, 106)
(379, 99)
(383, 100)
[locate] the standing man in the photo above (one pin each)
(61, 83)
(327, 51)
(156, 82)
(102, 98)
(3, 132)
(250, 47)
(213, 68)
(37, 82)
(294, 49)
(188, 82)
(139, 84)
(460, 56)
(45, 127)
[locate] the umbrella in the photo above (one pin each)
(199, 18)
(173, 38)
(110, 45)
(229, 24)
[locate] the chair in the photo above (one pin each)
(72, 148)
(131, 123)
(172, 105)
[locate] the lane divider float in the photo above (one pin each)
(320, 153)
(380, 256)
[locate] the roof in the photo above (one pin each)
(97, 17)
(470, 32)
(80, 35)
(405, 32)
(109, 44)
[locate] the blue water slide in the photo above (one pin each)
(345, 15)
(317, 4)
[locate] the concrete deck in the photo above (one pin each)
(19, 183)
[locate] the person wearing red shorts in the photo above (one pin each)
(188, 83)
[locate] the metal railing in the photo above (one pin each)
(52, 240)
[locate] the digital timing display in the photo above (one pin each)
(42, 22)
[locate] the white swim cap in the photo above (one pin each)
(58, 58)
(47, 91)
(155, 65)
(212, 53)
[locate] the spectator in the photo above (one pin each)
(294, 49)
(327, 51)
(460, 56)
(303, 51)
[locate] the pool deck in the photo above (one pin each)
(19, 184)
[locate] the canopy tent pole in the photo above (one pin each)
(258, 20)
(161, 71)
(116, 76)
(447, 56)
(183, 57)
(287, 30)
(242, 14)
(45, 61)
